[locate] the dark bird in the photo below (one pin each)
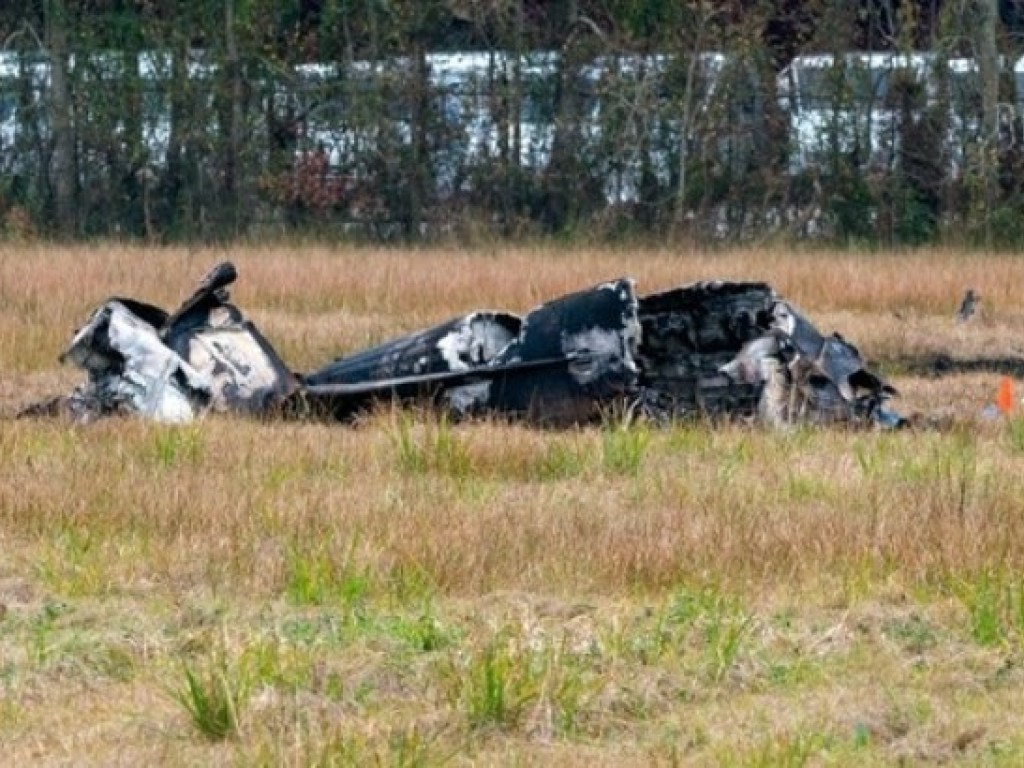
(968, 306)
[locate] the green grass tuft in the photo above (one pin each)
(213, 694)
(623, 448)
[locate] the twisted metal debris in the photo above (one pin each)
(710, 348)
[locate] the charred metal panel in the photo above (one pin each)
(830, 379)
(414, 366)
(342, 401)
(210, 294)
(244, 371)
(174, 367)
(735, 348)
(561, 363)
(597, 332)
(807, 377)
(689, 334)
(131, 370)
(460, 344)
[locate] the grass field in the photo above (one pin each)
(405, 592)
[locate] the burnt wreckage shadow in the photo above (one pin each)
(939, 366)
(724, 349)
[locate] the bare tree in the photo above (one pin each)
(702, 13)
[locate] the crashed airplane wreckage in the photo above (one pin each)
(715, 348)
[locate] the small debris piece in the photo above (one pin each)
(968, 306)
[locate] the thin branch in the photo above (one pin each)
(23, 29)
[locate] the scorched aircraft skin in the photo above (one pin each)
(727, 349)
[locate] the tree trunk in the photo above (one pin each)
(986, 13)
(516, 110)
(419, 178)
(62, 168)
(172, 186)
(512, 173)
(686, 120)
(562, 191)
(232, 203)
(692, 48)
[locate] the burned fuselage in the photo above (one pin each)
(689, 334)
(557, 365)
(172, 368)
(719, 348)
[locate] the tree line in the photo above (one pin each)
(194, 120)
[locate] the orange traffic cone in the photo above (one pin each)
(1004, 398)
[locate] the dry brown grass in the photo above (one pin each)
(405, 592)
